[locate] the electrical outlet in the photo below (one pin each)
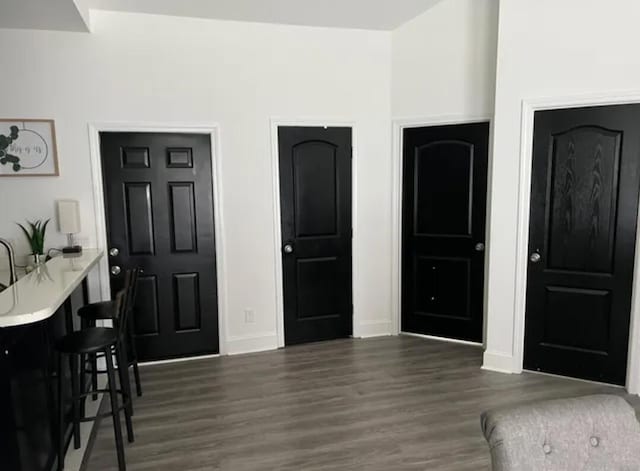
(249, 316)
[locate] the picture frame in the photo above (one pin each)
(28, 148)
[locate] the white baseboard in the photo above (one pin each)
(179, 360)
(442, 339)
(499, 362)
(373, 329)
(252, 343)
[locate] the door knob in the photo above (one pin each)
(535, 257)
(115, 270)
(479, 247)
(288, 248)
(114, 252)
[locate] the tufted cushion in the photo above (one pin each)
(592, 433)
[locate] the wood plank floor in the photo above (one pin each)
(390, 403)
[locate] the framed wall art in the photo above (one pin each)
(28, 148)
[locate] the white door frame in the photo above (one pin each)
(529, 107)
(277, 230)
(210, 129)
(399, 125)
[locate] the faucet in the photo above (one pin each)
(12, 261)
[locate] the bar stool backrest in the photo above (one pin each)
(125, 297)
(120, 307)
(134, 290)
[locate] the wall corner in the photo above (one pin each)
(499, 362)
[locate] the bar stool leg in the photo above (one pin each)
(94, 375)
(60, 413)
(121, 356)
(75, 400)
(123, 372)
(94, 371)
(83, 382)
(113, 396)
(134, 356)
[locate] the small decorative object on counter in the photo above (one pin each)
(35, 236)
(69, 223)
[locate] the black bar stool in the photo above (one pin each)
(106, 310)
(90, 341)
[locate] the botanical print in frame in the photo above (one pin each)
(28, 148)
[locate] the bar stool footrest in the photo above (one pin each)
(102, 415)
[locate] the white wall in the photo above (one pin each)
(546, 49)
(162, 69)
(444, 61)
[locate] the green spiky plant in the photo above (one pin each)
(36, 236)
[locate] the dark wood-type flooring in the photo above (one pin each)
(390, 403)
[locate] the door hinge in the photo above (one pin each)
(351, 155)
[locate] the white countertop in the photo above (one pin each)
(38, 295)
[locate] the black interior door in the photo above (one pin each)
(444, 207)
(315, 202)
(584, 202)
(159, 206)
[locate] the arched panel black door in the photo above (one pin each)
(444, 207)
(315, 202)
(584, 203)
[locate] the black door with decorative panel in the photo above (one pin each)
(583, 215)
(159, 208)
(444, 207)
(315, 203)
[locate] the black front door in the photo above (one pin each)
(444, 207)
(584, 202)
(159, 207)
(315, 202)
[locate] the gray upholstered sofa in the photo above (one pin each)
(592, 433)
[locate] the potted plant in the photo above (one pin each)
(35, 236)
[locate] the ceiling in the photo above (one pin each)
(69, 15)
(63, 15)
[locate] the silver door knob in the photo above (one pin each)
(535, 257)
(115, 270)
(114, 252)
(479, 247)
(288, 248)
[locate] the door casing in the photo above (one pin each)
(529, 107)
(399, 125)
(277, 230)
(212, 130)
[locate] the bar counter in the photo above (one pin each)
(34, 312)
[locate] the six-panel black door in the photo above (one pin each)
(584, 202)
(159, 207)
(315, 202)
(444, 207)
